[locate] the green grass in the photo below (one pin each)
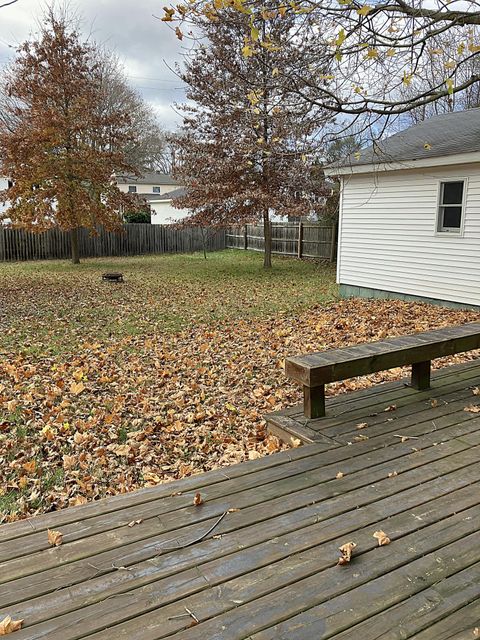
(52, 306)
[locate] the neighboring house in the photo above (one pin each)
(158, 189)
(163, 211)
(410, 214)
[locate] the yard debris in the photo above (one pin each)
(55, 538)
(362, 425)
(404, 438)
(476, 391)
(382, 538)
(346, 550)
(7, 625)
(392, 474)
(153, 408)
(296, 442)
(339, 475)
(360, 437)
(253, 454)
(197, 500)
(391, 407)
(134, 522)
(473, 408)
(434, 403)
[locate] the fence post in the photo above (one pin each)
(300, 239)
(333, 246)
(245, 238)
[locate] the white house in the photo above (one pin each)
(409, 222)
(158, 189)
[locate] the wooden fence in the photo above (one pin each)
(135, 239)
(300, 239)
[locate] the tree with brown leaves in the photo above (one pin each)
(249, 146)
(58, 148)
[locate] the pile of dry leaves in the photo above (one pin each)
(128, 411)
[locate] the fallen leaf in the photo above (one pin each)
(346, 550)
(296, 442)
(360, 438)
(434, 403)
(339, 475)
(197, 500)
(55, 538)
(476, 632)
(7, 625)
(476, 391)
(362, 425)
(134, 522)
(77, 387)
(233, 510)
(254, 455)
(473, 408)
(29, 466)
(392, 474)
(391, 407)
(382, 538)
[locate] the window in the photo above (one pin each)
(450, 210)
(132, 189)
(156, 189)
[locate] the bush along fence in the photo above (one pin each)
(300, 239)
(134, 239)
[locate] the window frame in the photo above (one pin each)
(156, 189)
(451, 231)
(132, 188)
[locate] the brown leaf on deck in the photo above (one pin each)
(339, 475)
(392, 474)
(55, 538)
(197, 500)
(346, 550)
(7, 625)
(391, 407)
(362, 425)
(434, 403)
(382, 538)
(473, 408)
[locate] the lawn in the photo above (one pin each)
(108, 387)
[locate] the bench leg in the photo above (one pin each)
(421, 375)
(314, 401)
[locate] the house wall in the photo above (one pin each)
(148, 188)
(388, 240)
(164, 213)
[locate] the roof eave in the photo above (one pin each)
(440, 161)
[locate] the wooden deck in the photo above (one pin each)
(257, 560)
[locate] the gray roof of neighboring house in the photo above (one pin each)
(147, 178)
(176, 193)
(444, 135)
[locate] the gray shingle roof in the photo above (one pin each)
(176, 193)
(444, 135)
(148, 178)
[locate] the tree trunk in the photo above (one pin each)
(74, 245)
(267, 232)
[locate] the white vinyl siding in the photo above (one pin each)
(389, 236)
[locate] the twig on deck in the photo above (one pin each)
(199, 539)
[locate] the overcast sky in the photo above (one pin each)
(144, 44)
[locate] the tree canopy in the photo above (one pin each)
(58, 143)
(374, 52)
(249, 144)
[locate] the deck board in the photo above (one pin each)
(267, 570)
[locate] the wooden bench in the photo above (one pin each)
(315, 370)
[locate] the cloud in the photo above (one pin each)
(145, 46)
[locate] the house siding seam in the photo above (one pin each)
(389, 242)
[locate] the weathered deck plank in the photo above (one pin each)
(267, 569)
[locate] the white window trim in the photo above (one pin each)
(156, 189)
(452, 233)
